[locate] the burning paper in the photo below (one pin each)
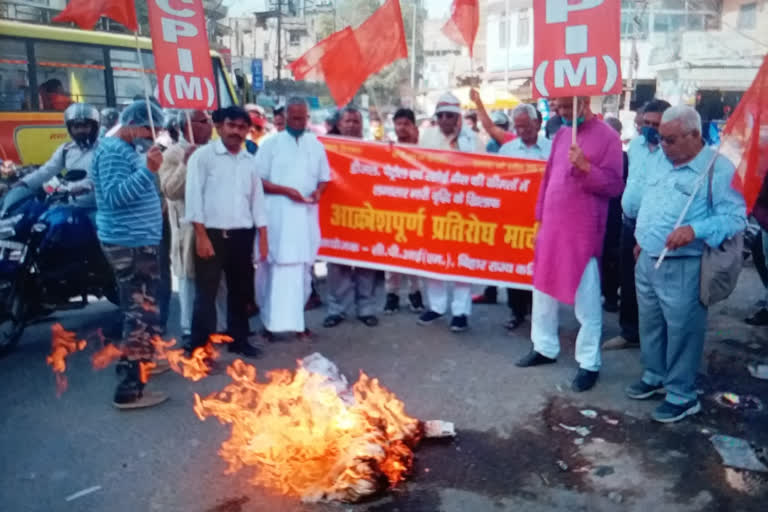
(309, 435)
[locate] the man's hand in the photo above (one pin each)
(680, 237)
(154, 158)
(578, 159)
(204, 247)
(636, 252)
(474, 95)
(188, 152)
(295, 195)
(314, 197)
(263, 249)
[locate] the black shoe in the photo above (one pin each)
(130, 392)
(760, 318)
(533, 358)
(584, 381)
(392, 305)
(332, 320)
(429, 317)
(244, 349)
(514, 323)
(417, 305)
(669, 413)
(459, 323)
(640, 390)
(369, 320)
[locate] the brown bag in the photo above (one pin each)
(720, 266)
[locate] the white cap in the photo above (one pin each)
(448, 103)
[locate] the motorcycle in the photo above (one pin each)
(50, 259)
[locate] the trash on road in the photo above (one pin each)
(737, 453)
(582, 431)
(589, 413)
(84, 492)
(611, 421)
(738, 402)
(562, 465)
(758, 371)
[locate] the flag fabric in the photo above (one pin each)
(86, 13)
(745, 138)
(461, 28)
(346, 58)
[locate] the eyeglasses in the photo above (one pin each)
(449, 115)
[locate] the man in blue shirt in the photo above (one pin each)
(641, 150)
(673, 321)
(129, 223)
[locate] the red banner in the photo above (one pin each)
(576, 49)
(182, 55)
(440, 214)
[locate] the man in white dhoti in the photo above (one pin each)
(294, 170)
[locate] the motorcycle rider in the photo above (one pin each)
(82, 121)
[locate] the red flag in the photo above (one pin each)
(462, 27)
(86, 13)
(348, 57)
(745, 138)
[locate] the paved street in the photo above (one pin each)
(508, 420)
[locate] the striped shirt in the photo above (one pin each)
(127, 200)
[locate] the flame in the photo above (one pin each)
(305, 439)
(63, 344)
(105, 356)
(195, 367)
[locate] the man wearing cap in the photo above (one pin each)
(496, 125)
(129, 223)
(449, 135)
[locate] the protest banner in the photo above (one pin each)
(182, 55)
(439, 214)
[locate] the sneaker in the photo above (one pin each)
(533, 358)
(392, 305)
(459, 323)
(416, 304)
(429, 317)
(130, 392)
(641, 391)
(584, 381)
(620, 343)
(669, 413)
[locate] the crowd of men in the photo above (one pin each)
(215, 210)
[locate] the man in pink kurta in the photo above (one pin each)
(572, 208)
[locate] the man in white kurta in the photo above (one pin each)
(294, 170)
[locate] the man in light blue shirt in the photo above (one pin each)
(641, 153)
(673, 321)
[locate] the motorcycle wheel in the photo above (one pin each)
(12, 325)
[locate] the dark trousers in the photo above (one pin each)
(628, 307)
(519, 301)
(164, 289)
(233, 256)
(611, 272)
(138, 276)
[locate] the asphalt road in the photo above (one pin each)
(509, 421)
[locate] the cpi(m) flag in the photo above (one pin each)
(86, 13)
(745, 138)
(461, 28)
(346, 58)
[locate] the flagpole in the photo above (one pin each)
(575, 119)
(189, 128)
(146, 85)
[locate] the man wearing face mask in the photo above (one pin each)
(82, 121)
(129, 224)
(673, 321)
(579, 181)
(641, 152)
(449, 134)
(294, 169)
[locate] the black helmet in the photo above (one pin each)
(109, 118)
(82, 113)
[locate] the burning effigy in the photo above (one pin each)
(308, 434)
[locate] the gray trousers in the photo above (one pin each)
(672, 322)
(351, 285)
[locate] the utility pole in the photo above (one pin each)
(279, 37)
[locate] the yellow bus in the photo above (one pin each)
(43, 68)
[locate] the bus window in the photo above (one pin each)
(128, 82)
(14, 82)
(225, 97)
(67, 74)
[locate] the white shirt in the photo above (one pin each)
(223, 190)
(518, 149)
(293, 229)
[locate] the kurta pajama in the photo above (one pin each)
(572, 209)
(283, 283)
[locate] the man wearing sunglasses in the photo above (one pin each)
(449, 134)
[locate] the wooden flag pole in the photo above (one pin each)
(189, 128)
(146, 85)
(575, 119)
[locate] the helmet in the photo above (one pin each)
(82, 113)
(109, 118)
